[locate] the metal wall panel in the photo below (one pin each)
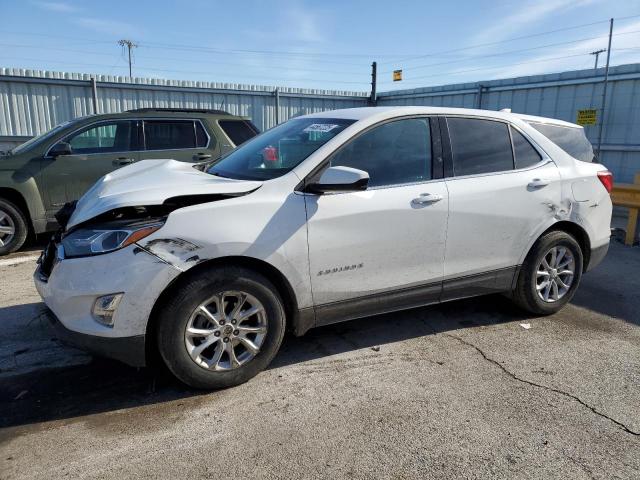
(32, 101)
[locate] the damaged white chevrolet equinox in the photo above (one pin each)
(327, 217)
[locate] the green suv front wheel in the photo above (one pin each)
(13, 227)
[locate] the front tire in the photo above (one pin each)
(222, 328)
(13, 227)
(550, 274)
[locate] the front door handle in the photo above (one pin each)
(201, 156)
(123, 161)
(426, 199)
(538, 183)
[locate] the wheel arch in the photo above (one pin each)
(577, 232)
(294, 320)
(15, 197)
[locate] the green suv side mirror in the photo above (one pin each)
(61, 148)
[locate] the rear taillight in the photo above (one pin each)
(606, 177)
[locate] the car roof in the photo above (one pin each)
(550, 121)
(168, 113)
(362, 113)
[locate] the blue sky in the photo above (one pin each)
(317, 44)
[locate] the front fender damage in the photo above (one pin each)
(177, 252)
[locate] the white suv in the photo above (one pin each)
(327, 217)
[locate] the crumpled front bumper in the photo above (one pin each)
(74, 284)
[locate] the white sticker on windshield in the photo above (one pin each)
(320, 127)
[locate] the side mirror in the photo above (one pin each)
(61, 148)
(340, 179)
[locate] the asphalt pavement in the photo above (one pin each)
(468, 389)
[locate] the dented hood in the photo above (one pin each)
(151, 182)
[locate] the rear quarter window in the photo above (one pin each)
(525, 154)
(572, 140)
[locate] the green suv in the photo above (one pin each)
(38, 177)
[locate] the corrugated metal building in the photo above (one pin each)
(32, 101)
(558, 95)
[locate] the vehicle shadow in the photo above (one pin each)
(103, 385)
(612, 287)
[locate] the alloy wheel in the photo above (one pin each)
(555, 274)
(226, 331)
(7, 228)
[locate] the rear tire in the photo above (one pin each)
(13, 227)
(544, 284)
(235, 353)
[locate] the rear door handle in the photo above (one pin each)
(201, 156)
(123, 161)
(426, 199)
(538, 183)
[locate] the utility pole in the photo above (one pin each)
(597, 54)
(129, 44)
(606, 84)
(374, 80)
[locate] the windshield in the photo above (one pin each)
(570, 139)
(277, 151)
(40, 138)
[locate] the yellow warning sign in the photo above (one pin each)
(587, 117)
(397, 75)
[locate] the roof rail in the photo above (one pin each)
(185, 110)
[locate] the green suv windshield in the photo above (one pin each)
(277, 151)
(23, 147)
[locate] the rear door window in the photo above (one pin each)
(526, 155)
(570, 139)
(239, 131)
(169, 134)
(479, 146)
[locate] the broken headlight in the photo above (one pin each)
(94, 240)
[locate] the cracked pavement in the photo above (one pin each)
(459, 390)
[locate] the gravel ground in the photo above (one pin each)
(469, 389)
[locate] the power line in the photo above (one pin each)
(402, 58)
(233, 52)
(511, 52)
(299, 80)
(171, 46)
(248, 76)
(143, 68)
(174, 46)
(512, 39)
(457, 72)
(542, 60)
(317, 56)
(168, 47)
(184, 60)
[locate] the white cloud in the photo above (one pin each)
(302, 25)
(61, 7)
(294, 30)
(109, 27)
(523, 16)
